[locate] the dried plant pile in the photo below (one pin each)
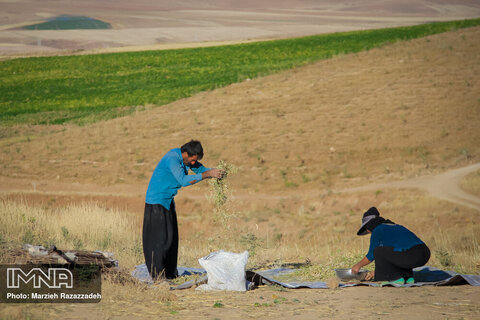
(219, 193)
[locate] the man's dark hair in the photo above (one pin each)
(193, 148)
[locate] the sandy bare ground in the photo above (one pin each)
(150, 24)
(269, 303)
(444, 186)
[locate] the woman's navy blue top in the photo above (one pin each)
(392, 235)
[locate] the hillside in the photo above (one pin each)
(354, 123)
(405, 109)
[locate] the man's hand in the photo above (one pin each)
(213, 173)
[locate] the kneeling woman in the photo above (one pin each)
(395, 249)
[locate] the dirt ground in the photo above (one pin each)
(352, 303)
(460, 302)
(146, 24)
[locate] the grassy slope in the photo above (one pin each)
(471, 183)
(94, 87)
(405, 109)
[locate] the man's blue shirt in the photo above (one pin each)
(170, 175)
(396, 236)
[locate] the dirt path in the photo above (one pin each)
(444, 186)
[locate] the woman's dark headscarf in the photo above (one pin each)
(371, 219)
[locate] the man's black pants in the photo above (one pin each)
(160, 241)
(392, 265)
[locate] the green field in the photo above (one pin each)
(88, 88)
(66, 22)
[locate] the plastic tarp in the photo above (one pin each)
(424, 276)
(430, 276)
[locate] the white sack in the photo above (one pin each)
(225, 271)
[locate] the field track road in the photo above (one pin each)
(444, 186)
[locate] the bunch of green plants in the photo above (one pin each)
(219, 192)
(65, 22)
(89, 88)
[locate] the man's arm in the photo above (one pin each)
(213, 173)
(207, 172)
(184, 179)
(201, 173)
(198, 168)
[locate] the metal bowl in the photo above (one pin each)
(347, 275)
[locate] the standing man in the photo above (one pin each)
(160, 228)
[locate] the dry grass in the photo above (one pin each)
(471, 183)
(318, 238)
(84, 227)
(315, 238)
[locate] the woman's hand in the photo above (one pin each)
(370, 275)
(360, 264)
(356, 268)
